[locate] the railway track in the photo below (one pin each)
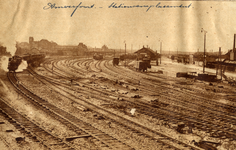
(159, 81)
(75, 124)
(172, 94)
(33, 131)
(219, 130)
(127, 123)
(1, 138)
(91, 104)
(202, 124)
(191, 98)
(185, 96)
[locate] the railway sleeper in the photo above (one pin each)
(108, 139)
(36, 130)
(95, 133)
(123, 147)
(101, 134)
(29, 127)
(117, 145)
(12, 121)
(79, 136)
(18, 126)
(78, 130)
(91, 129)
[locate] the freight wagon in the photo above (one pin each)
(115, 61)
(142, 65)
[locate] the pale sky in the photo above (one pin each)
(175, 27)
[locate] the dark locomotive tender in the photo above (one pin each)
(34, 60)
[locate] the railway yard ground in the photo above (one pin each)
(82, 103)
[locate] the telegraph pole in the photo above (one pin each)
(204, 57)
(160, 51)
(125, 54)
(198, 57)
(220, 64)
(204, 52)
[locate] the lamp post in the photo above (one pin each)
(125, 53)
(220, 63)
(204, 55)
(160, 49)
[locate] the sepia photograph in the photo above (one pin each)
(117, 74)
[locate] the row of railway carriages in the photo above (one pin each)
(212, 60)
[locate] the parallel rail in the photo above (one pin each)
(130, 122)
(69, 120)
(35, 132)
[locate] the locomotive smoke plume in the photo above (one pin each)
(10, 47)
(4, 63)
(22, 66)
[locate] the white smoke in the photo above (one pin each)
(22, 66)
(11, 49)
(4, 63)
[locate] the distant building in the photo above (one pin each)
(147, 51)
(49, 48)
(69, 50)
(104, 48)
(3, 51)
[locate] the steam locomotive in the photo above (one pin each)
(14, 62)
(33, 60)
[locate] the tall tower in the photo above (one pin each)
(31, 41)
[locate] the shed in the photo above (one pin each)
(151, 53)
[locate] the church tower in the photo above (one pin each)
(31, 41)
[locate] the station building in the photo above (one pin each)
(149, 52)
(49, 48)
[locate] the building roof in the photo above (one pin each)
(66, 46)
(145, 49)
